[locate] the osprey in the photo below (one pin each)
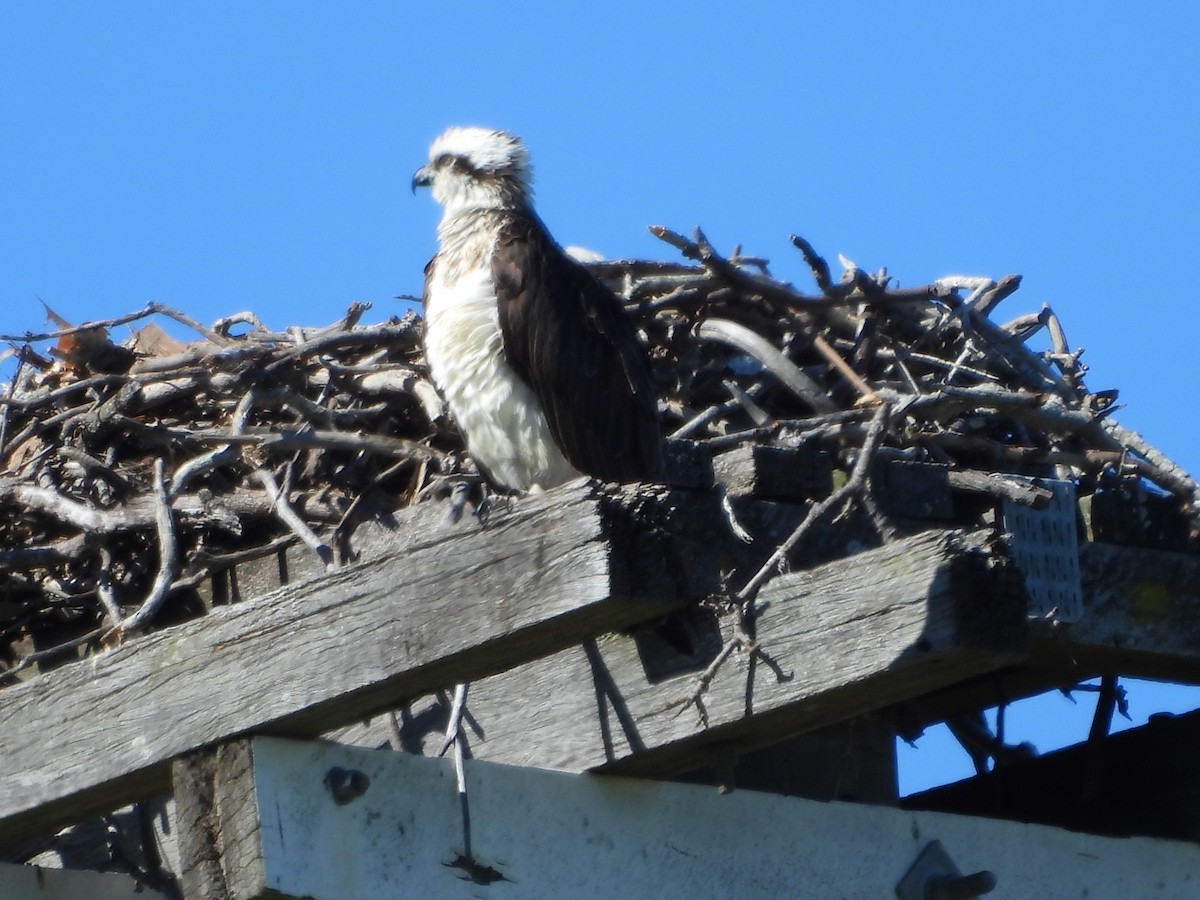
(539, 365)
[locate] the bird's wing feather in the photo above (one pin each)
(567, 337)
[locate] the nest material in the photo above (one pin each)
(129, 474)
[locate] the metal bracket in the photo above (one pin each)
(934, 876)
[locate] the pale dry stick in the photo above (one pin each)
(1022, 360)
(1058, 337)
(893, 357)
(45, 398)
(817, 265)
(40, 557)
(454, 738)
(699, 420)
(12, 391)
(206, 462)
(744, 598)
(286, 514)
(817, 512)
(1060, 350)
(865, 391)
(757, 414)
(990, 298)
(676, 298)
(748, 282)
(94, 468)
(367, 335)
(30, 337)
(223, 324)
(220, 512)
(1172, 476)
(772, 359)
(660, 284)
(202, 563)
(897, 365)
(51, 652)
(70, 512)
(1024, 326)
(168, 556)
(962, 357)
(705, 416)
(219, 339)
(976, 284)
(293, 441)
(740, 639)
(1043, 412)
(454, 720)
(810, 427)
(104, 589)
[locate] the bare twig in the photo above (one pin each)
(454, 719)
(168, 558)
(747, 341)
(288, 516)
(818, 512)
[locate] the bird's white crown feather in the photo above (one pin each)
(485, 149)
(479, 168)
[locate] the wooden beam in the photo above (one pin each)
(220, 856)
(1141, 618)
(405, 831)
(39, 883)
(849, 637)
(1141, 781)
(1141, 614)
(789, 474)
(447, 604)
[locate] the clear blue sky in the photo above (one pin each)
(222, 157)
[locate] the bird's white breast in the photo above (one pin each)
(497, 412)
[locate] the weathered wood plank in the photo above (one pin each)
(448, 604)
(1141, 613)
(1141, 617)
(789, 474)
(851, 637)
(216, 823)
(37, 883)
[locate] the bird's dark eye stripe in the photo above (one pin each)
(453, 161)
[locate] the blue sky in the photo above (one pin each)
(257, 155)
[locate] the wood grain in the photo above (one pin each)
(445, 605)
(849, 637)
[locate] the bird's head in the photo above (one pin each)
(477, 168)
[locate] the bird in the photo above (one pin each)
(540, 366)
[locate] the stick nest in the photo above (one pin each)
(133, 474)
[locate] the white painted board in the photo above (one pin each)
(558, 835)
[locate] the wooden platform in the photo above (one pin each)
(582, 618)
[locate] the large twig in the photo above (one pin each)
(289, 517)
(742, 338)
(168, 558)
(818, 512)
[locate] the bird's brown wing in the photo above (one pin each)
(569, 339)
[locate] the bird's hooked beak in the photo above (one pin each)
(423, 177)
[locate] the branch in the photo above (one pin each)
(742, 338)
(167, 555)
(817, 513)
(283, 510)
